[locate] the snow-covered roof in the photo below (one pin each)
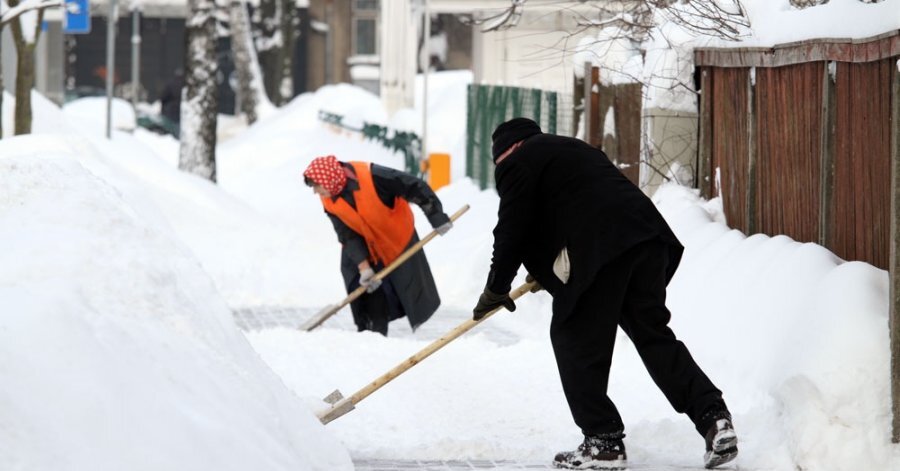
(775, 22)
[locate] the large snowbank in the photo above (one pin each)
(116, 350)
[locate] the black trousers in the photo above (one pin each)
(629, 292)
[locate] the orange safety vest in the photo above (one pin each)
(387, 231)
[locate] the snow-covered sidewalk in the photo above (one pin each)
(120, 278)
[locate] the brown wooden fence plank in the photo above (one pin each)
(788, 101)
(628, 105)
(704, 148)
(862, 163)
(729, 149)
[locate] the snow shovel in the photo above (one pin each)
(329, 311)
(340, 405)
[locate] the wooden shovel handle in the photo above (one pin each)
(328, 415)
(332, 310)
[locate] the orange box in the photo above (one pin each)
(438, 170)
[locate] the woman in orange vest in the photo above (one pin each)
(369, 207)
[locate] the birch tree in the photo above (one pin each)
(253, 97)
(275, 24)
(3, 8)
(290, 23)
(199, 103)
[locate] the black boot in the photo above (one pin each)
(606, 451)
(721, 441)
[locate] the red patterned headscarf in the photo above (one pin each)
(328, 173)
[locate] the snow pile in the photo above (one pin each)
(797, 338)
(90, 114)
(116, 350)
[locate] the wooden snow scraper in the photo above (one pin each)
(341, 405)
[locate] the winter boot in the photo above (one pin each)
(721, 442)
(606, 451)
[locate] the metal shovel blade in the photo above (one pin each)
(339, 406)
(320, 317)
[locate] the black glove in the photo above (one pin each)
(444, 228)
(488, 301)
(537, 286)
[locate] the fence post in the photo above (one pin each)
(551, 112)
(472, 105)
(894, 322)
(704, 147)
(751, 153)
(591, 75)
(596, 125)
(578, 101)
(827, 144)
(516, 99)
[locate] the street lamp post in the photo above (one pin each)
(112, 16)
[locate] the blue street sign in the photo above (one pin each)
(78, 17)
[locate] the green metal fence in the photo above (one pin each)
(489, 106)
(407, 143)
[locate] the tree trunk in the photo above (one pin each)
(289, 24)
(249, 83)
(269, 42)
(24, 69)
(24, 84)
(1, 88)
(199, 104)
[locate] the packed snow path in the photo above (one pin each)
(493, 465)
(432, 465)
(261, 321)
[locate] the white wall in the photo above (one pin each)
(537, 53)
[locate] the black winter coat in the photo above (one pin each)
(558, 192)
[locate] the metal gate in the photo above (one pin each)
(488, 106)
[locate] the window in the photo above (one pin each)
(365, 27)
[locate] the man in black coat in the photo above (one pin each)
(598, 245)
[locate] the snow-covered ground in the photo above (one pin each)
(118, 349)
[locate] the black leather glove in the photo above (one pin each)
(537, 286)
(444, 228)
(488, 301)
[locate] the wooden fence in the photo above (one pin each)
(620, 136)
(803, 148)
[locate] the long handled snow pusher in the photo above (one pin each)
(340, 405)
(329, 311)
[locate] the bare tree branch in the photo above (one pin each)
(506, 19)
(705, 17)
(27, 6)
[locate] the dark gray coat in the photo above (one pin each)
(410, 289)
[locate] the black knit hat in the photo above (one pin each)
(511, 132)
